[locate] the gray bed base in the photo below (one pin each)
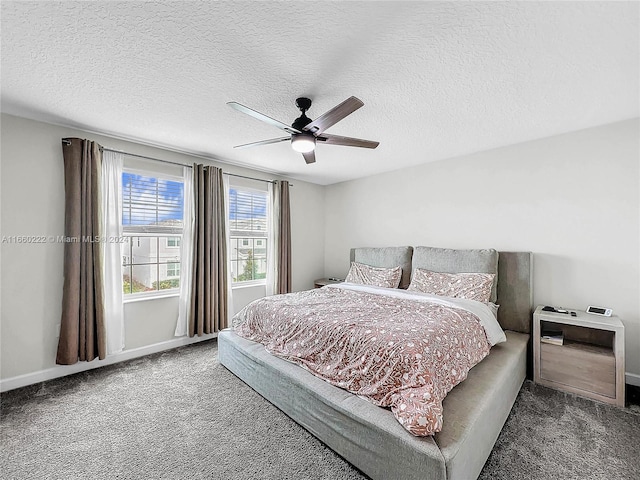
(370, 437)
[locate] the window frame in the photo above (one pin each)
(242, 186)
(159, 235)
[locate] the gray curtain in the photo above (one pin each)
(82, 327)
(283, 261)
(208, 311)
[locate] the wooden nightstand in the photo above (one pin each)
(321, 282)
(590, 361)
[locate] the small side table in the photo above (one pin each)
(590, 361)
(321, 282)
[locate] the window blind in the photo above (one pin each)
(151, 204)
(247, 213)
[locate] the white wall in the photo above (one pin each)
(32, 203)
(571, 199)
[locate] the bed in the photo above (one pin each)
(370, 437)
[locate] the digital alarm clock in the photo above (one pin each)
(605, 312)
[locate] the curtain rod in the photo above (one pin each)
(104, 149)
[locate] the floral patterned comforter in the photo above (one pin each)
(397, 349)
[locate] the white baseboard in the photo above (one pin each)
(632, 379)
(64, 370)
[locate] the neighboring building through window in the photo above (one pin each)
(173, 269)
(152, 214)
(248, 234)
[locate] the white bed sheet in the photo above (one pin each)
(494, 332)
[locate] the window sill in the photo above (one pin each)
(248, 285)
(143, 298)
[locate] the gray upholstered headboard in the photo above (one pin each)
(515, 280)
(515, 290)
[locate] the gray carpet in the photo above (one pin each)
(180, 414)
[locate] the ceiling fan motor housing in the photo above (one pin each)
(301, 122)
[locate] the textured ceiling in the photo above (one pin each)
(438, 79)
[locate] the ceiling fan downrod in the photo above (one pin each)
(303, 103)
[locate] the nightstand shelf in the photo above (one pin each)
(590, 362)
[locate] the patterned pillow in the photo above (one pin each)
(472, 286)
(377, 276)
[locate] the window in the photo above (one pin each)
(152, 212)
(248, 234)
(173, 269)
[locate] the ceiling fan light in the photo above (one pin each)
(303, 143)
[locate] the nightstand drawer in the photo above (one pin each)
(586, 367)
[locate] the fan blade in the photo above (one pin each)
(263, 142)
(262, 117)
(347, 141)
(334, 115)
(310, 157)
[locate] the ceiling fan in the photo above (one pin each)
(305, 133)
